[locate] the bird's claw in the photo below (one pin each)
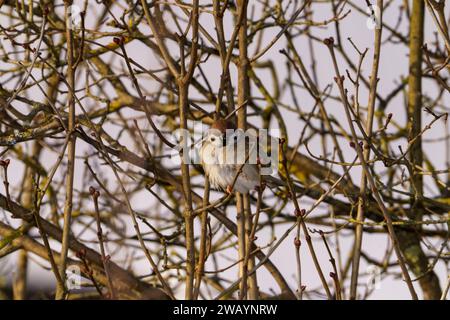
(229, 189)
(261, 187)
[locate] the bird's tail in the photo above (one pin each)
(274, 182)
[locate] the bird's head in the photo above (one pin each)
(217, 134)
(215, 138)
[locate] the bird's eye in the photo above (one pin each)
(213, 139)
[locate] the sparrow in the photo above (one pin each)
(223, 153)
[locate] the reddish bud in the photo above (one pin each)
(117, 40)
(81, 254)
(328, 41)
(4, 163)
(94, 192)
